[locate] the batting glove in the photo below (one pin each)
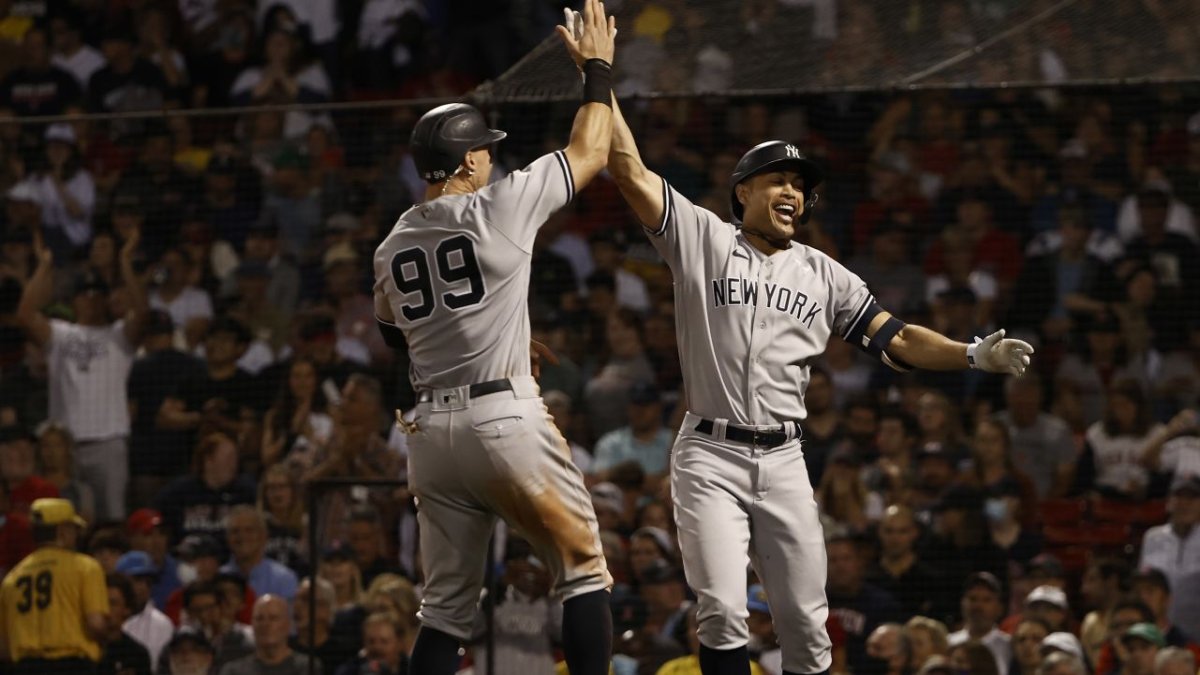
(995, 354)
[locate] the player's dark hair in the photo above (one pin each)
(125, 587)
(198, 588)
(1135, 603)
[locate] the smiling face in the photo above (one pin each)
(772, 203)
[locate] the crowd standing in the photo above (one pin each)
(187, 343)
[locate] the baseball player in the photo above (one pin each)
(54, 603)
(452, 281)
(752, 309)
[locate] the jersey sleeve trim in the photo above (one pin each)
(566, 169)
(856, 330)
(668, 208)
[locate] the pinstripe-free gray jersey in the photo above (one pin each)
(455, 272)
(747, 323)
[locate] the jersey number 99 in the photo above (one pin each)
(451, 268)
(35, 591)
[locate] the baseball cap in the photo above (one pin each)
(985, 579)
(136, 564)
(1063, 642)
(143, 521)
(1144, 631)
(22, 192)
(608, 495)
(196, 546)
(88, 281)
(661, 573)
(1186, 484)
(643, 393)
(1046, 565)
(659, 535)
(337, 550)
(61, 132)
(1051, 595)
(189, 635)
(757, 600)
(54, 511)
(340, 253)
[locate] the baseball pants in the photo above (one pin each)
(500, 455)
(737, 504)
(104, 466)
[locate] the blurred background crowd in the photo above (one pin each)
(187, 340)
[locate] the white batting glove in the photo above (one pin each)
(995, 354)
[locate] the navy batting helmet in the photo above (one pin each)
(444, 135)
(776, 156)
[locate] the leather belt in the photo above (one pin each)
(476, 390)
(762, 439)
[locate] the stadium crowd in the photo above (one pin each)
(187, 343)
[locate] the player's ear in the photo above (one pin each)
(742, 192)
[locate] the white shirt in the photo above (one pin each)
(1180, 219)
(81, 65)
(1181, 456)
(997, 641)
(82, 189)
(1118, 458)
(153, 629)
(88, 369)
(1179, 559)
(192, 303)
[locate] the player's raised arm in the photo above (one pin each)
(641, 187)
(590, 43)
(902, 346)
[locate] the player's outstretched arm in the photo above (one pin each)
(920, 347)
(590, 44)
(641, 187)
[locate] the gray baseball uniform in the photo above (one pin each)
(455, 272)
(747, 326)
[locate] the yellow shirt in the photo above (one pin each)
(690, 665)
(43, 602)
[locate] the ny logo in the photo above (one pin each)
(792, 152)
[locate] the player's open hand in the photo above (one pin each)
(996, 354)
(588, 35)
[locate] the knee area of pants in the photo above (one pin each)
(724, 628)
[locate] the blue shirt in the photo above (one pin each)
(268, 577)
(168, 581)
(620, 446)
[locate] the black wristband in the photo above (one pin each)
(597, 82)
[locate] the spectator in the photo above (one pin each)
(892, 473)
(272, 654)
(1105, 581)
(159, 188)
(606, 394)
(18, 470)
(888, 649)
(1142, 641)
(558, 404)
(71, 53)
(936, 470)
(55, 456)
(154, 45)
(982, 607)
(156, 454)
(230, 200)
(764, 643)
(293, 203)
(1154, 590)
(367, 542)
(915, 585)
(823, 429)
(199, 503)
(526, 623)
(352, 308)
(927, 641)
(973, 657)
(1174, 661)
(939, 422)
(1009, 516)
(889, 269)
(189, 653)
(650, 548)
(1062, 664)
(1127, 612)
(1110, 464)
(644, 440)
(262, 246)
(961, 544)
(129, 82)
(247, 531)
(1175, 449)
(1174, 548)
(690, 664)
(284, 76)
(842, 495)
(189, 306)
(205, 605)
(148, 534)
(859, 606)
(1083, 379)
(107, 545)
(1040, 442)
(664, 593)
(1048, 604)
(38, 87)
(147, 625)
(358, 447)
(123, 655)
(313, 637)
(16, 533)
(1027, 647)
(339, 569)
(89, 361)
(222, 399)
(268, 325)
(282, 504)
(66, 192)
(199, 557)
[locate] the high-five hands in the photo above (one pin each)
(996, 354)
(588, 35)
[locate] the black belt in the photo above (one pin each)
(764, 439)
(476, 390)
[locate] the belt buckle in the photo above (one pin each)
(451, 397)
(758, 438)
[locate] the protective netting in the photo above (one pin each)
(822, 45)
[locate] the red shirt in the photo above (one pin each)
(22, 496)
(174, 608)
(16, 540)
(996, 252)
